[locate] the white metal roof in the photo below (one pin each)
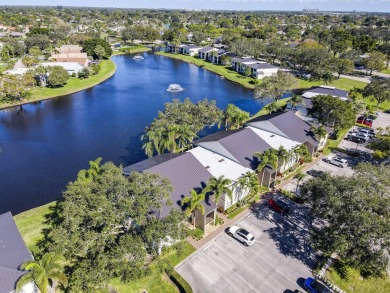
(69, 66)
(275, 140)
(219, 165)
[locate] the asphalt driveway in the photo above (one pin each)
(277, 262)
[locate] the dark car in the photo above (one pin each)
(278, 206)
(315, 286)
(316, 173)
(387, 111)
(356, 139)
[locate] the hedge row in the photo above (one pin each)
(179, 281)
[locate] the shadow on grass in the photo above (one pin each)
(52, 219)
(341, 269)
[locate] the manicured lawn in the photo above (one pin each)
(352, 279)
(225, 71)
(73, 85)
(132, 50)
(31, 224)
(372, 103)
(156, 282)
(342, 83)
(236, 212)
(333, 144)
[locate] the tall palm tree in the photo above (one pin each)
(194, 202)
(44, 273)
(295, 101)
(234, 117)
(319, 132)
(93, 171)
(272, 107)
(299, 176)
(249, 181)
(302, 152)
(283, 155)
(267, 158)
(220, 186)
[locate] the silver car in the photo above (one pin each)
(241, 235)
(339, 162)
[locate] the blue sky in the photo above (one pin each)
(343, 5)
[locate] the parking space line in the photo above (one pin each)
(200, 273)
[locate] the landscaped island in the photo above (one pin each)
(73, 85)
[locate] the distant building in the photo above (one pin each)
(65, 49)
(80, 58)
(70, 67)
(311, 11)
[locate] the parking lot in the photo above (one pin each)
(278, 261)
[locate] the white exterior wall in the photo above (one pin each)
(238, 194)
(267, 72)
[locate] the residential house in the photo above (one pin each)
(261, 69)
(13, 253)
(314, 91)
(70, 67)
(290, 126)
(191, 50)
(219, 165)
(238, 64)
(216, 57)
(185, 173)
(175, 48)
(71, 53)
(240, 147)
(205, 52)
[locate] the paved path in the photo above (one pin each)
(365, 79)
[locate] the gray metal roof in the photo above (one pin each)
(244, 60)
(332, 91)
(206, 49)
(242, 144)
(308, 102)
(13, 252)
(261, 65)
(185, 173)
(149, 163)
(290, 124)
(192, 47)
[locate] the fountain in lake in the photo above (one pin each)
(138, 57)
(174, 88)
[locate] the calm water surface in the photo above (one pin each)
(44, 145)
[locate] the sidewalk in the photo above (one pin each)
(244, 213)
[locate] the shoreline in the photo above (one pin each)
(104, 77)
(210, 67)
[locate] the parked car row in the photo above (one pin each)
(367, 121)
(360, 135)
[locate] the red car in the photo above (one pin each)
(278, 206)
(364, 121)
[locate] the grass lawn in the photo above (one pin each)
(73, 85)
(333, 144)
(225, 71)
(31, 223)
(263, 111)
(352, 279)
(131, 50)
(386, 71)
(372, 103)
(236, 212)
(156, 282)
(342, 83)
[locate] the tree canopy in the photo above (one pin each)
(107, 224)
(354, 213)
(58, 76)
(275, 86)
(90, 45)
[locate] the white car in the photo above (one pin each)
(242, 235)
(339, 162)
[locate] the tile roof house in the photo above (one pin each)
(13, 252)
(80, 58)
(65, 49)
(185, 173)
(291, 126)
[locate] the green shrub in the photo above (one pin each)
(196, 234)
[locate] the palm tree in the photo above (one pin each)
(194, 202)
(319, 132)
(44, 273)
(272, 107)
(268, 158)
(283, 155)
(295, 101)
(249, 181)
(219, 186)
(234, 117)
(299, 176)
(302, 152)
(90, 174)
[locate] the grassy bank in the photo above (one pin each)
(341, 83)
(350, 280)
(131, 50)
(264, 111)
(225, 71)
(73, 85)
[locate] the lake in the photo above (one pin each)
(43, 145)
